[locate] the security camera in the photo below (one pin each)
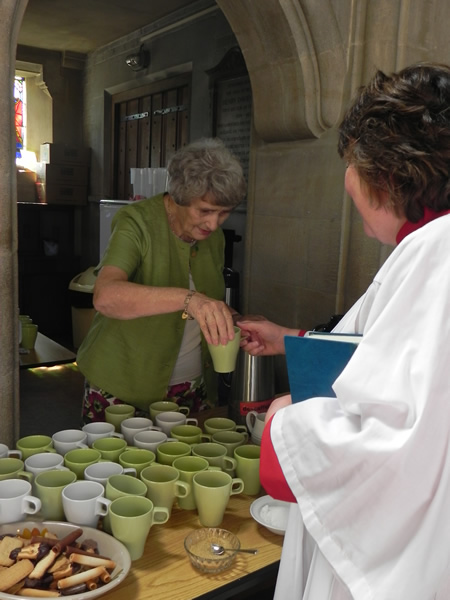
(138, 61)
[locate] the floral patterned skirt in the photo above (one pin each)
(190, 393)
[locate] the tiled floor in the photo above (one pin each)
(50, 399)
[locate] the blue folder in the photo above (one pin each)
(315, 362)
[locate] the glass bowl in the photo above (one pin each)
(198, 548)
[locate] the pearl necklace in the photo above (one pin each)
(171, 220)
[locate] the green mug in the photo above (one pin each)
(215, 424)
(164, 485)
(247, 467)
(34, 444)
(190, 434)
(78, 459)
(13, 468)
(119, 486)
(48, 487)
(116, 413)
(212, 491)
(230, 440)
(29, 335)
(164, 406)
(131, 519)
(188, 466)
(137, 458)
(167, 452)
(224, 355)
(110, 448)
(216, 455)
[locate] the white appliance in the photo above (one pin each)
(108, 209)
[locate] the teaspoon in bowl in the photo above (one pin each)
(219, 550)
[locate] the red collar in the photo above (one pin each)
(428, 215)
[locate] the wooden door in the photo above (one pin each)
(149, 124)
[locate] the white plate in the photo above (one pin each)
(107, 546)
(270, 513)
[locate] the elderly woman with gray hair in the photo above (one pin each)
(159, 290)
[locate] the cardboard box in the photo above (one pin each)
(68, 195)
(67, 174)
(62, 154)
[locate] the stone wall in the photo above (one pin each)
(306, 254)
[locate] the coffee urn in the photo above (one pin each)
(252, 386)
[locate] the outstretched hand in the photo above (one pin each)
(261, 337)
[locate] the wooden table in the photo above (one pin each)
(165, 571)
(46, 353)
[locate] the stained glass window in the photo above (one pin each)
(19, 113)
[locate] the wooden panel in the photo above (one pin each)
(148, 141)
(144, 128)
(156, 132)
(169, 126)
(120, 161)
(132, 144)
(183, 117)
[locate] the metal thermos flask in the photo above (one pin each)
(252, 386)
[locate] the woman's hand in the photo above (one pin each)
(262, 337)
(214, 317)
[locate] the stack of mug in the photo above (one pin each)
(128, 472)
(27, 333)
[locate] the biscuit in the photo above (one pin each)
(16, 573)
(7, 545)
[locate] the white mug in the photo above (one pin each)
(84, 503)
(69, 439)
(101, 471)
(44, 461)
(255, 424)
(16, 500)
(171, 418)
(129, 427)
(150, 440)
(99, 429)
(5, 452)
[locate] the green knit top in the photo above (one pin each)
(134, 359)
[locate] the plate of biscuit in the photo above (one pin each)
(52, 559)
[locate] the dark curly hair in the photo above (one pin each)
(396, 135)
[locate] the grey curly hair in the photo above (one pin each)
(206, 166)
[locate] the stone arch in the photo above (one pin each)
(296, 59)
(11, 14)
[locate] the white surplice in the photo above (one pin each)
(371, 468)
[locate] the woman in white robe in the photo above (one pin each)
(368, 472)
